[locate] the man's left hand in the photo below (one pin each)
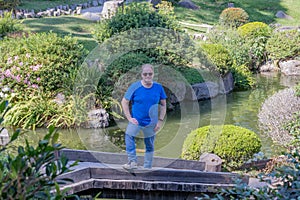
(158, 126)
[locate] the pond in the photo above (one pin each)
(238, 108)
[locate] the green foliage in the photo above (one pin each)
(235, 145)
(293, 127)
(134, 16)
(8, 24)
(8, 4)
(116, 69)
(287, 184)
(33, 170)
(233, 42)
(42, 60)
(42, 111)
(219, 56)
(192, 75)
(233, 17)
(243, 79)
(284, 45)
(256, 35)
(255, 29)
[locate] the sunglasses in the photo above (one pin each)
(149, 74)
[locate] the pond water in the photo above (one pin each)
(238, 108)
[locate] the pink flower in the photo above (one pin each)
(35, 68)
(21, 63)
(18, 68)
(25, 81)
(16, 57)
(35, 86)
(38, 79)
(27, 55)
(18, 78)
(7, 73)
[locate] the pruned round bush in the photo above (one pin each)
(42, 60)
(255, 29)
(233, 17)
(284, 45)
(276, 112)
(219, 56)
(234, 144)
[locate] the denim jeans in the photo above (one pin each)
(149, 136)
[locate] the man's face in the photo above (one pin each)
(147, 75)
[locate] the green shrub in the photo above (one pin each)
(235, 145)
(233, 17)
(255, 29)
(286, 187)
(118, 68)
(42, 111)
(34, 170)
(233, 42)
(243, 79)
(42, 60)
(284, 45)
(8, 24)
(8, 4)
(256, 35)
(134, 16)
(219, 56)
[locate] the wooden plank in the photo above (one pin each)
(143, 185)
(118, 158)
(189, 176)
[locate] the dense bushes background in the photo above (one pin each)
(233, 17)
(42, 60)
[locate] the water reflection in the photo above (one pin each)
(238, 108)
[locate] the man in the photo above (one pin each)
(148, 100)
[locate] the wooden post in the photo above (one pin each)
(213, 163)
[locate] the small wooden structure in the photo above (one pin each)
(168, 179)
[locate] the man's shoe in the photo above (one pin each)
(130, 165)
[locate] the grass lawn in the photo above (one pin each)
(258, 10)
(65, 25)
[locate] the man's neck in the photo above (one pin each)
(148, 84)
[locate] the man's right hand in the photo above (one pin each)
(134, 121)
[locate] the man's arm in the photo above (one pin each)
(125, 106)
(162, 113)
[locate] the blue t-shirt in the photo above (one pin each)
(145, 102)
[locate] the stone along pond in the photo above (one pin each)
(239, 108)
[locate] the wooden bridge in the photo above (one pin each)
(168, 179)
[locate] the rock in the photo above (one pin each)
(176, 91)
(268, 67)
(97, 118)
(95, 3)
(226, 84)
(200, 36)
(202, 91)
(188, 4)
(290, 67)
(213, 163)
(282, 15)
(230, 5)
(4, 136)
(110, 8)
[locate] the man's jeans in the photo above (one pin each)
(149, 136)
